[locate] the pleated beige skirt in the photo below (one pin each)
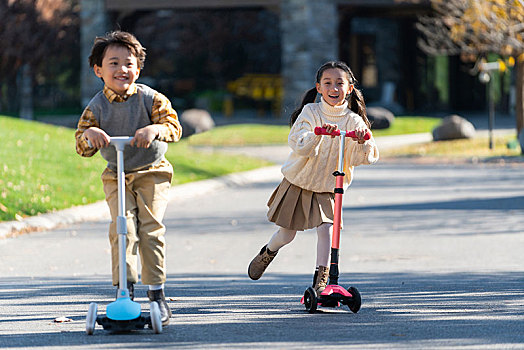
(297, 209)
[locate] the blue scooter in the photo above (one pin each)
(123, 314)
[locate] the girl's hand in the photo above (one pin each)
(360, 133)
(145, 136)
(330, 128)
(97, 137)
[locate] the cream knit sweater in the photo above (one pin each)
(314, 158)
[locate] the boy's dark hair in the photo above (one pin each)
(118, 38)
(355, 99)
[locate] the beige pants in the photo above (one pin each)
(147, 194)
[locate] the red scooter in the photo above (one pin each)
(334, 295)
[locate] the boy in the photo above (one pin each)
(125, 108)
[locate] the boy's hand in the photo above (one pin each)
(330, 128)
(97, 137)
(361, 133)
(145, 136)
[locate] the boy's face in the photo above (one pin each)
(119, 69)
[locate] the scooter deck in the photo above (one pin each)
(123, 326)
(332, 296)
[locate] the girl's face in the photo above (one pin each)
(334, 86)
(119, 69)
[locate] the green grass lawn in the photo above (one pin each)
(242, 135)
(40, 170)
(409, 125)
(465, 148)
(257, 134)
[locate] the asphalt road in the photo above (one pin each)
(435, 250)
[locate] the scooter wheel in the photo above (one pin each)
(310, 300)
(355, 304)
(91, 318)
(154, 313)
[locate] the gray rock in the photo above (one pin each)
(195, 121)
(380, 117)
(453, 127)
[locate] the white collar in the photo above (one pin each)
(335, 111)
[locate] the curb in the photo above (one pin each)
(99, 211)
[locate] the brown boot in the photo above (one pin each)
(260, 263)
(322, 279)
(160, 299)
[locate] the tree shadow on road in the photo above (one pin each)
(213, 311)
(498, 203)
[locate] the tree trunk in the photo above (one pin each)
(12, 94)
(26, 93)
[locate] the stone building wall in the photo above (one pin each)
(309, 38)
(93, 19)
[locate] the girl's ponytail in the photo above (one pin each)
(357, 105)
(309, 97)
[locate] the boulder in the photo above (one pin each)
(453, 127)
(380, 117)
(195, 121)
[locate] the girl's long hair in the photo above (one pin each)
(355, 98)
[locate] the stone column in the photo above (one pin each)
(93, 22)
(309, 31)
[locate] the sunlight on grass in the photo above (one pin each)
(259, 134)
(40, 170)
(193, 165)
(464, 148)
(409, 125)
(241, 135)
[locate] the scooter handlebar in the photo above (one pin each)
(115, 139)
(352, 134)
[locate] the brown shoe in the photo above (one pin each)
(260, 263)
(322, 279)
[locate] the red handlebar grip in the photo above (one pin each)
(322, 131)
(353, 135)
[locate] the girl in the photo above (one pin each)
(305, 199)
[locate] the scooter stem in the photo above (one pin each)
(339, 191)
(121, 222)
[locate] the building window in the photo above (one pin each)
(363, 59)
(369, 77)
